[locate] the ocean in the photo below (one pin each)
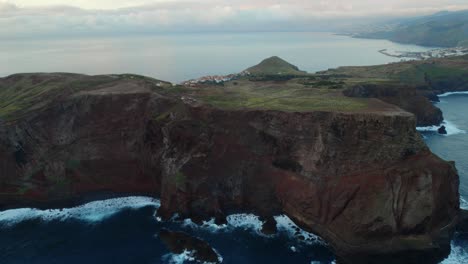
(454, 147)
(124, 230)
(179, 57)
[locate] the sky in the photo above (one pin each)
(32, 18)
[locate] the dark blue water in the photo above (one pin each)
(124, 231)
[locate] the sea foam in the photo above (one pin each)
(235, 221)
(186, 256)
(463, 203)
(451, 128)
(253, 223)
(452, 93)
(90, 212)
(285, 224)
(457, 255)
(179, 258)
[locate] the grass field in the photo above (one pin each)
(20, 94)
(286, 96)
(300, 91)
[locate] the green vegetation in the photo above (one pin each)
(24, 93)
(287, 96)
(432, 73)
(20, 94)
(275, 66)
(179, 180)
(289, 89)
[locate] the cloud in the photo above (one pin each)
(21, 18)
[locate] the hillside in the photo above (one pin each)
(444, 29)
(273, 66)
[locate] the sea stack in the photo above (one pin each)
(442, 130)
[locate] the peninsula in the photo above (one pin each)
(337, 151)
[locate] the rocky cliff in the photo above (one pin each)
(362, 180)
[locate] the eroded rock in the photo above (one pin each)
(178, 242)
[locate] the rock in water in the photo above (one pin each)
(442, 130)
(269, 226)
(178, 242)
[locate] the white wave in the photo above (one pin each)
(463, 203)
(458, 255)
(179, 258)
(235, 221)
(187, 255)
(90, 212)
(245, 221)
(220, 258)
(252, 222)
(452, 93)
(451, 128)
(285, 224)
(207, 225)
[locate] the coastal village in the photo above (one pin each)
(214, 79)
(424, 55)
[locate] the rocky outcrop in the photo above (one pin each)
(364, 181)
(410, 99)
(442, 130)
(179, 242)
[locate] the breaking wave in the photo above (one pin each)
(451, 128)
(457, 255)
(90, 212)
(179, 258)
(452, 93)
(463, 203)
(184, 257)
(253, 223)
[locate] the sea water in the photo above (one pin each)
(454, 147)
(179, 57)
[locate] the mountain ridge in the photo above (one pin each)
(443, 29)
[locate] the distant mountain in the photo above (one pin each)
(443, 29)
(274, 66)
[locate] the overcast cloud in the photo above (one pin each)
(31, 18)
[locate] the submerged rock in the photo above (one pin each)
(178, 242)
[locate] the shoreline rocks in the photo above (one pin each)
(179, 242)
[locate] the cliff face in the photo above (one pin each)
(365, 182)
